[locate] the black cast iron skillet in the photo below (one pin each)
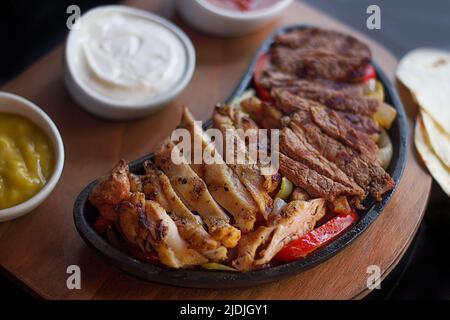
(85, 214)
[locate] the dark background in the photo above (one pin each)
(29, 29)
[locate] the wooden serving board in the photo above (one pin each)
(37, 249)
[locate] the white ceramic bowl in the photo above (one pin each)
(11, 103)
(209, 18)
(109, 108)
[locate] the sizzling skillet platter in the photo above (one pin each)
(342, 151)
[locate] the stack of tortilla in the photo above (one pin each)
(426, 73)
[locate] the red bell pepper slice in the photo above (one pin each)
(369, 73)
(317, 238)
(261, 64)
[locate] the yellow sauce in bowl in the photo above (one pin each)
(26, 159)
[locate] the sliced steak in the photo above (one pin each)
(315, 184)
(274, 79)
(315, 38)
(361, 123)
(264, 114)
(313, 53)
(368, 174)
(297, 148)
(329, 122)
(336, 100)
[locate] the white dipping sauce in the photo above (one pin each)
(127, 58)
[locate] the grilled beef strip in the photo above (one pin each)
(330, 122)
(361, 123)
(275, 79)
(313, 53)
(264, 114)
(336, 100)
(315, 184)
(368, 174)
(297, 148)
(279, 82)
(315, 38)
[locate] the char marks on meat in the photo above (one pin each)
(329, 122)
(368, 174)
(313, 53)
(339, 101)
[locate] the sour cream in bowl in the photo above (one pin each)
(123, 63)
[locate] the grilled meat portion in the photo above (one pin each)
(249, 173)
(297, 148)
(248, 247)
(361, 123)
(147, 225)
(354, 93)
(330, 123)
(369, 175)
(297, 218)
(243, 121)
(275, 79)
(336, 100)
(110, 190)
(226, 187)
(313, 53)
(194, 193)
(315, 38)
(157, 187)
(357, 162)
(314, 183)
(264, 114)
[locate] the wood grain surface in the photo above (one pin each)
(37, 249)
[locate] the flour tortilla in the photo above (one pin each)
(426, 73)
(438, 170)
(438, 138)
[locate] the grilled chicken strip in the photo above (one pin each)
(248, 246)
(157, 187)
(297, 218)
(249, 173)
(110, 190)
(242, 120)
(223, 184)
(265, 115)
(313, 53)
(194, 193)
(146, 224)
